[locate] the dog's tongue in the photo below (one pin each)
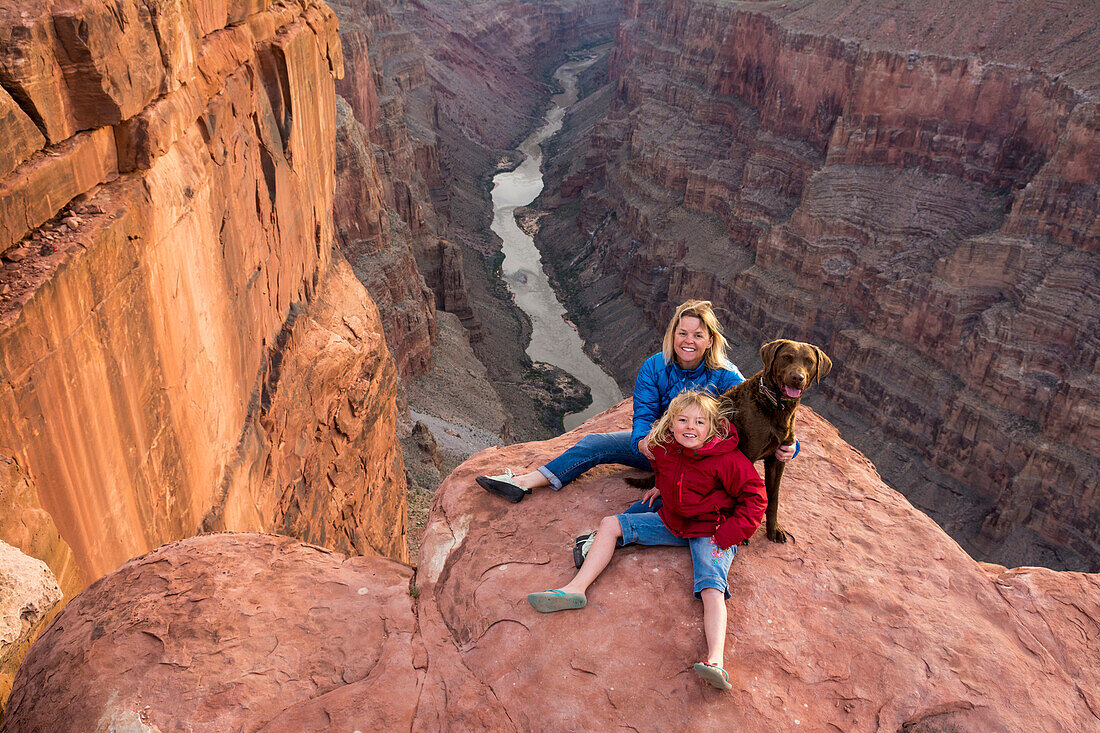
(792, 392)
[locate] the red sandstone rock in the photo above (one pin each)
(388, 76)
(381, 258)
(19, 138)
(35, 191)
(227, 632)
(82, 64)
(325, 466)
(870, 619)
(25, 525)
(28, 592)
(181, 347)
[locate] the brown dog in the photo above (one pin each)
(762, 408)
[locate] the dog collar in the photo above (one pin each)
(768, 393)
(772, 397)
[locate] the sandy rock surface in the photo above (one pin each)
(226, 632)
(870, 619)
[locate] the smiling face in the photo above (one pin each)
(690, 427)
(690, 342)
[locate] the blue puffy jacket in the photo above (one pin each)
(658, 383)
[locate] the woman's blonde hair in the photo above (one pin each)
(715, 357)
(661, 432)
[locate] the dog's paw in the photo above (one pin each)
(779, 535)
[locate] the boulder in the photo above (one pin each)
(871, 618)
(28, 592)
(226, 632)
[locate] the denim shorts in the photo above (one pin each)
(709, 562)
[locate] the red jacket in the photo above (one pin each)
(711, 491)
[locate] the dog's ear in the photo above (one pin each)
(824, 364)
(768, 352)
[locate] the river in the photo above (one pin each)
(554, 339)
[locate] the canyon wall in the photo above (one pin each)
(913, 189)
(441, 91)
(183, 347)
(391, 238)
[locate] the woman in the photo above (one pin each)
(693, 356)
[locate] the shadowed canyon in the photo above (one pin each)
(255, 345)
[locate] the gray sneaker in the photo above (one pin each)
(581, 548)
(503, 485)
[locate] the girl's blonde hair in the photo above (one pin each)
(661, 432)
(715, 357)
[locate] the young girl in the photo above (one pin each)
(713, 499)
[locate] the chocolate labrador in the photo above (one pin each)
(762, 408)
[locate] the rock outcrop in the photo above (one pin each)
(915, 190)
(386, 78)
(182, 346)
(28, 592)
(870, 619)
(225, 632)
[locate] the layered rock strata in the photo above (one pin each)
(386, 75)
(182, 347)
(371, 238)
(916, 192)
(443, 90)
(870, 619)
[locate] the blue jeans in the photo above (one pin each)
(710, 564)
(640, 507)
(591, 451)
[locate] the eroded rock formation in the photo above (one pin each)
(225, 632)
(382, 260)
(916, 190)
(182, 346)
(443, 90)
(28, 592)
(870, 619)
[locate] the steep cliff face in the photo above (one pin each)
(442, 90)
(182, 347)
(376, 244)
(914, 191)
(870, 619)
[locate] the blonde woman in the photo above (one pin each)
(692, 357)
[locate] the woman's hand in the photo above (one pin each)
(645, 451)
(649, 496)
(785, 452)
